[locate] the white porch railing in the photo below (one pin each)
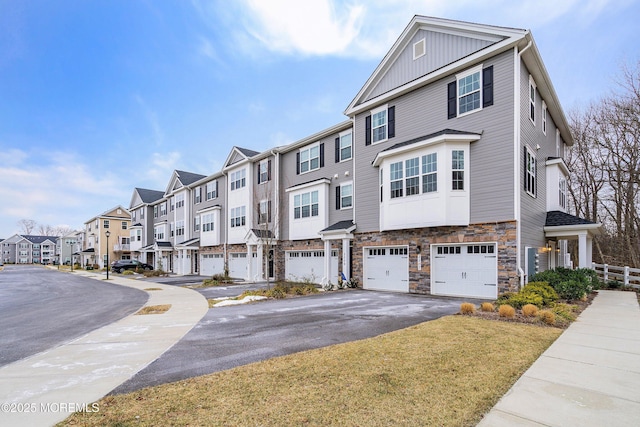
(626, 275)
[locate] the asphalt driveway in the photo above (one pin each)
(42, 308)
(237, 335)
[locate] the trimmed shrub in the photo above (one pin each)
(522, 298)
(529, 310)
(467, 308)
(487, 307)
(564, 311)
(547, 317)
(507, 311)
(572, 289)
(548, 294)
(127, 273)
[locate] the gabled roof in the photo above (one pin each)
(239, 155)
(149, 196)
(346, 226)
(112, 213)
(562, 224)
(181, 179)
(187, 178)
(494, 40)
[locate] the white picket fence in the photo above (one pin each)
(627, 275)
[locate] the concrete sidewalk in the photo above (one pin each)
(590, 376)
(47, 387)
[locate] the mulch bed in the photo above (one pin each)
(578, 307)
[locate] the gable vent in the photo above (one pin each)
(419, 49)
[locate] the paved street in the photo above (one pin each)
(42, 308)
(227, 337)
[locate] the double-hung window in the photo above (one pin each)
(396, 179)
(105, 223)
(196, 223)
(457, 170)
(180, 228)
(207, 222)
(562, 193)
(379, 125)
(343, 147)
(155, 212)
(532, 100)
(264, 171)
(158, 233)
(179, 199)
(238, 179)
(305, 205)
(430, 173)
(163, 209)
(530, 172)
(264, 214)
(212, 190)
(197, 195)
(124, 225)
(346, 196)
(412, 171)
(238, 216)
(310, 159)
(544, 117)
(469, 95)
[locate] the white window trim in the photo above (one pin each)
(345, 133)
(424, 48)
(463, 170)
(386, 124)
(264, 163)
(342, 196)
(309, 148)
(264, 203)
(544, 117)
(532, 102)
(238, 177)
(460, 76)
(531, 192)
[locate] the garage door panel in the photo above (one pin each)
(386, 269)
(211, 264)
(465, 270)
(308, 265)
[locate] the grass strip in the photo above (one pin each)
(447, 372)
(154, 309)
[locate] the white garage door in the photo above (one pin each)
(211, 264)
(386, 269)
(308, 265)
(238, 265)
(465, 270)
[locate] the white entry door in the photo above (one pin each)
(386, 268)
(469, 270)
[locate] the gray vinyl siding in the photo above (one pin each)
(424, 111)
(219, 200)
(441, 49)
(534, 209)
(330, 169)
(265, 191)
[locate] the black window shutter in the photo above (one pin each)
(269, 170)
(487, 86)
(298, 163)
(338, 198)
(367, 128)
(526, 176)
(216, 188)
(269, 211)
(391, 113)
(322, 155)
(451, 100)
(258, 169)
(535, 178)
(337, 150)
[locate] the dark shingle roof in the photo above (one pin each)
(164, 244)
(262, 234)
(559, 218)
(187, 178)
(338, 226)
(247, 152)
(431, 135)
(39, 239)
(149, 196)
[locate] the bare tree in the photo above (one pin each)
(605, 164)
(26, 226)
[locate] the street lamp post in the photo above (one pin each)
(70, 244)
(107, 234)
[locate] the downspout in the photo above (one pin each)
(516, 157)
(276, 216)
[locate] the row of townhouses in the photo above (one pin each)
(448, 178)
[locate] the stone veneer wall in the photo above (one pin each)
(504, 233)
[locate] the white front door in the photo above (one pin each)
(469, 270)
(386, 268)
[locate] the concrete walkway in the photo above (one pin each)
(47, 387)
(590, 376)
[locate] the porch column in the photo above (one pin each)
(260, 267)
(327, 263)
(185, 262)
(346, 260)
(589, 251)
(249, 259)
(583, 251)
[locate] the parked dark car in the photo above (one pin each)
(129, 264)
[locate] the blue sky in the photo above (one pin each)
(99, 97)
